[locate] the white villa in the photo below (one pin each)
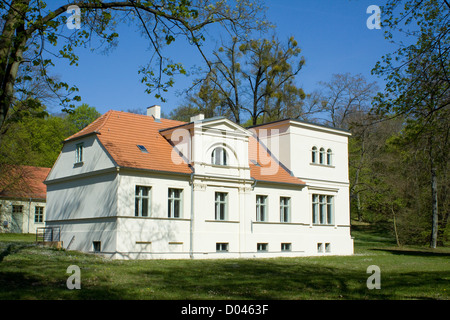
(134, 186)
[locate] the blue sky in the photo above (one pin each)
(332, 34)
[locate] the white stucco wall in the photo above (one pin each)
(94, 159)
(157, 235)
(95, 201)
(24, 222)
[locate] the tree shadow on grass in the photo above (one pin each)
(263, 280)
(12, 248)
(23, 286)
(273, 280)
(413, 252)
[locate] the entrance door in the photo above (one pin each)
(17, 219)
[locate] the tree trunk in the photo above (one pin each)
(358, 206)
(434, 196)
(434, 207)
(395, 226)
(12, 44)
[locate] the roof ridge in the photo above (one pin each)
(107, 114)
(85, 130)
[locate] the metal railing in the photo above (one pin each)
(48, 234)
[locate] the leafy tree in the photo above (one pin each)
(256, 77)
(207, 101)
(34, 141)
(81, 117)
(31, 29)
(36, 138)
(418, 86)
(270, 72)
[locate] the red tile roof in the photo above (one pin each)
(23, 182)
(265, 167)
(121, 132)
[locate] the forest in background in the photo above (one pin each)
(399, 148)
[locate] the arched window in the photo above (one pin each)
(219, 156)
(314, 155)
(322, 156)
(329, 153)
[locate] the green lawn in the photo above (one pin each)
(28, 271)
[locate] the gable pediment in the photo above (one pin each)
(223, 125)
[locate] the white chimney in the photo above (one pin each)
(198, 117)
(154, 111)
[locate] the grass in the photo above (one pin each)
(29, 271)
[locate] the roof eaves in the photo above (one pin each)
(302, 184)
(176, 127)
(82, 136)
(157, 171)
(300, 121)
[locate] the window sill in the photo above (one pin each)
(78, 164)
(226, 221)
(322, 165)
(285, 223)
(156, 218)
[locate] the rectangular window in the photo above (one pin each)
(97, 246)
(79, 153)
(261, 208)
(175, 203)
(322, 209)
(142, 201)
(315, 208)
(327, 247)
(221, 205)
(17, 209)
(221, 247)
(285, 209)
(262, 247)
(319, 247)
(330, 209)
(38, 214)
(286, 247)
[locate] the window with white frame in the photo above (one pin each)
(174, 203)
(221, 206)
(285, 209)
(261, 208)
(219, 156)
(222, 247)
(142, 201)
(322, 209)
(79, 153)
(322, 156)
(286, 247)
(17, 209)
(314, 154)
(38, 214)
(329, 154)
(319, 247)
(262, 247)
